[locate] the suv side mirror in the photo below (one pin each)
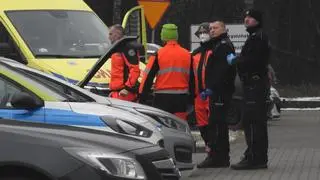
(22, 100)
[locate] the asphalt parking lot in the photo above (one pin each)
(294, 151)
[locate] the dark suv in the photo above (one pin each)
(35, 151)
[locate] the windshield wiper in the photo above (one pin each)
(65, 56)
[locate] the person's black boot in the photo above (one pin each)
(215, 162)
(245, 164)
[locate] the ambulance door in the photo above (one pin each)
(134, 24)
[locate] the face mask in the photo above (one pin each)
(204, 37)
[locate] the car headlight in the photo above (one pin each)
(126, 127)
(174, 124)
(112, 164)
(168, 122)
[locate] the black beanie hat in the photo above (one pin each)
(257, 15)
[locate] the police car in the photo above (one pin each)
(168, 130)
(26, 98)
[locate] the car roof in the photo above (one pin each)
(39, 89)
(12, 62)
(18, 65)
(152, 48)
(12, 5)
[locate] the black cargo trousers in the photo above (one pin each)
(218, 133)
(256, 93)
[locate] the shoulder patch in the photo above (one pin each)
(131, 52)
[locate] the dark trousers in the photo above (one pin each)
(255, 120)
(172, 103)
(204, 133)
(218, 133)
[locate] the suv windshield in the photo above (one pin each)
(61, 34)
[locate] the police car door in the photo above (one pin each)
(10, 90)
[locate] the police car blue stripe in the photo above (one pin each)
(30, 116)
(53, 116)
(65, 117)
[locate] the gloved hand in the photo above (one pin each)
(124, 92)
(231, 58)
(204, 94)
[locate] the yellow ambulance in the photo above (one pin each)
(61, 37)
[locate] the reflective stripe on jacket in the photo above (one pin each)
(171, 67)
(196, 67)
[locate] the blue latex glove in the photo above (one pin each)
(204, 94)
(231, 58)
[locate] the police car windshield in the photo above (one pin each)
(61, 33)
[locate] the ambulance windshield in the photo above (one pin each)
(61, 33)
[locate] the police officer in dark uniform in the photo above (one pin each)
(219, 85)
(253, 71)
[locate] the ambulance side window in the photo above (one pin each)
(8, 47)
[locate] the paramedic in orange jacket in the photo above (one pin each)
(171, 66)
(200, 58)
(124, 68)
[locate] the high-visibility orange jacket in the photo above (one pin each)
(171, 66)
(200, 60)
(125, 70)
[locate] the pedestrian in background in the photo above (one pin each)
(200, 59)
(124, 68)
(171, 67)
(219, 85)
(252, 66)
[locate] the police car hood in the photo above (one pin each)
(121, 103)
(143, 109)
(68, 136)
